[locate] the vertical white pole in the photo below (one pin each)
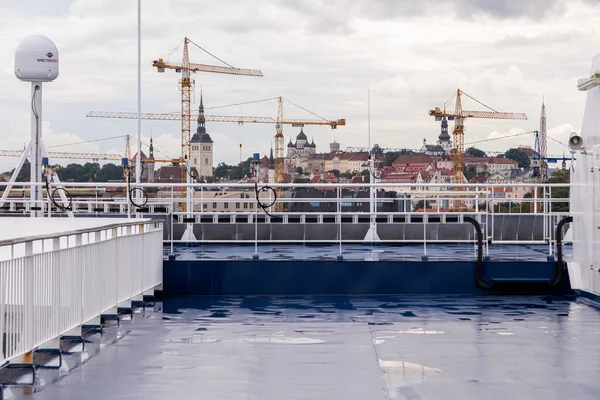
(36, 154)
(371, 162)
(369, 116)
(138, 160)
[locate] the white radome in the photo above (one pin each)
(36, 60)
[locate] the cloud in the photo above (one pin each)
(323, 55)
(340, 16)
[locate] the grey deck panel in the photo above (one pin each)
(376, 347)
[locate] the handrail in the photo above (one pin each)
(296, 185)
(24, 239)
(559, 254)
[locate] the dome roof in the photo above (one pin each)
(290, 144)
(201, 138)
(301, 135)
(312, 144)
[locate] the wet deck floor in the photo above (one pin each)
(358, 252)
(377, 347)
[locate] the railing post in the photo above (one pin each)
(424, 230)
(339, 211)
(255, 256)
(535, 200)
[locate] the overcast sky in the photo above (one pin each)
(321, 54)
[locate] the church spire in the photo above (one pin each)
(201, 120)
(151, 152)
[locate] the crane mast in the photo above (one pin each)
(458, 134)
(458, 138)
(186, 109)
(186, 84)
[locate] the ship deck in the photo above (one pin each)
(361, 252)
(343, 347)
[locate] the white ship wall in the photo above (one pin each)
(584, 270)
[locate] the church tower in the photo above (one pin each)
(271, 173)
(151, 164)
(444, 138)
(201, 154)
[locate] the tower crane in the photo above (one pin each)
(186, 84)
(278, 122)
(459, 115)
(91, 156)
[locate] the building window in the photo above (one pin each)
(226, 205)
(214, 206)
(206, 161)
(245, 205)
(195, 160)
(237, 206)
(204, 206)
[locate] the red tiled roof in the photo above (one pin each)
(413, 159)
(476, 160)
(477, 179)
(426, 176)
(134, 157)
(445, 172)
(498, 160)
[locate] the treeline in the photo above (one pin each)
(79, 173)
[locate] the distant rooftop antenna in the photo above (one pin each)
(36, 61)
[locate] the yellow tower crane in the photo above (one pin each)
(186, 84)
(458, 134)
(279, 142)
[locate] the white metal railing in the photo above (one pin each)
(491, 202)
(51, 284)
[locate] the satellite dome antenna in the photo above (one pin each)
(36, 61)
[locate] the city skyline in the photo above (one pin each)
(410, 56)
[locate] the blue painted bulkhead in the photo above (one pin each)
(226, 277)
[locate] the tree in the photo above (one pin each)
(336, 172)
(520, 157)
(24, 173)
(234, 172)
(470, 172)
(222, 170)
(421, 204)
(376, 149)
(366, 176)
(559, 192)
(299, 170)
(388, 158)
(109, 172)
(475, 152)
